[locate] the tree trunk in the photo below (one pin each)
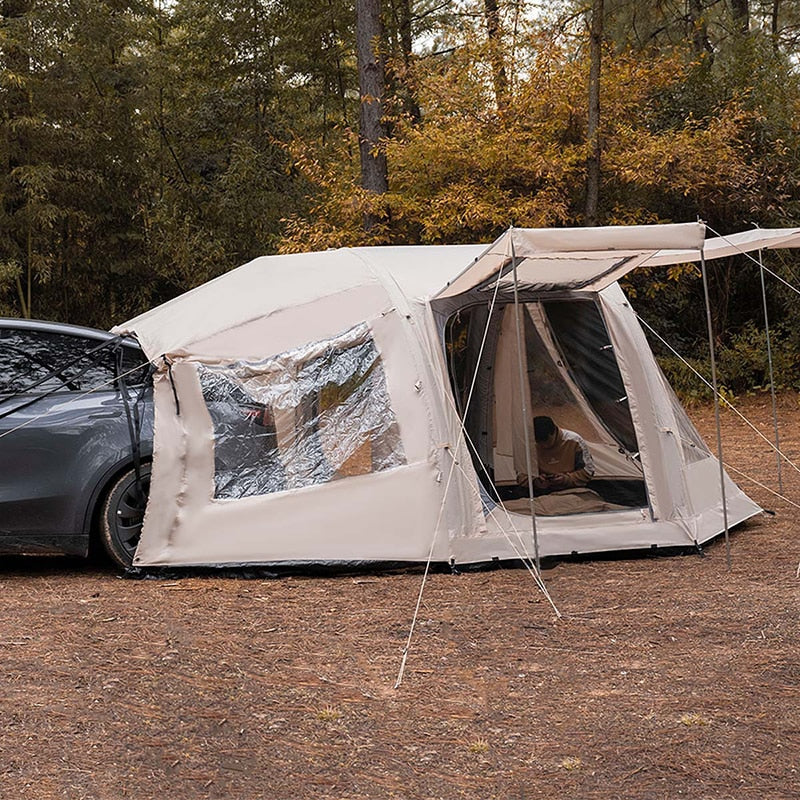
(593, 121)
(698, 29)
(407, 46)
(499, 77)
(371, 79)
(774, 26)
(340, 87)
(740, 11)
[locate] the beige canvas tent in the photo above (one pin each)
(364, 404)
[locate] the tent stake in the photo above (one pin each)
(771, 375)
(712, 354)
(525, 419)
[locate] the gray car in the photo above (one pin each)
(76, 427)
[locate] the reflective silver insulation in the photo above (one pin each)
(307, 416)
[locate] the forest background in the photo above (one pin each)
(150, 145)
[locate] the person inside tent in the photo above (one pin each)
(563, 458)
(565, 468)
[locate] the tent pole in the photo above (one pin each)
(716, 408)
(525, 412)
(771, 375)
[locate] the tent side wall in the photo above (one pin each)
(460, 513)
(651, 411)
(683, 491)
(396, 514)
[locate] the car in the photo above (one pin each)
(76, 432)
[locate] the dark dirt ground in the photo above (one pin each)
(667, 677)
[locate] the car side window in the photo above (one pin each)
(27, 356)
(20, 367)
(133, 357)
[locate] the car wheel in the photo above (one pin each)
(123, 515)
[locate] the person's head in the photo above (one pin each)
(543, 429)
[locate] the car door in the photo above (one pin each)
(63, 425)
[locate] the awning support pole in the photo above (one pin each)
(771, 375)
(716, 408)
(526, 421)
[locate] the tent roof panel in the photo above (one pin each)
(573, 257)
(567, 258)
(257, 289)
(421, 270)
(594, 270)
(270, 284)
(731, 245)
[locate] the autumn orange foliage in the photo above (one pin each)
(466, 171)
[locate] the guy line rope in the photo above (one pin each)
(70, 401)
(533, 569)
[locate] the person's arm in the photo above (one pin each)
(584, 467)
(582, 472)
(540, 482)
(572, 480)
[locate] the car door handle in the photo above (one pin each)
(106, 415)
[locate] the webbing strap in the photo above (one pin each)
(133, 414)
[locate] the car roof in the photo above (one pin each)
(44, 326)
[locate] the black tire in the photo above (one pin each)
(123, 515)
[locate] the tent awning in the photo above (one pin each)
(734, 244)
(593, 258)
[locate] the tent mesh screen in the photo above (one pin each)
(572, 377)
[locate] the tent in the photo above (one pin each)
(365, 404)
